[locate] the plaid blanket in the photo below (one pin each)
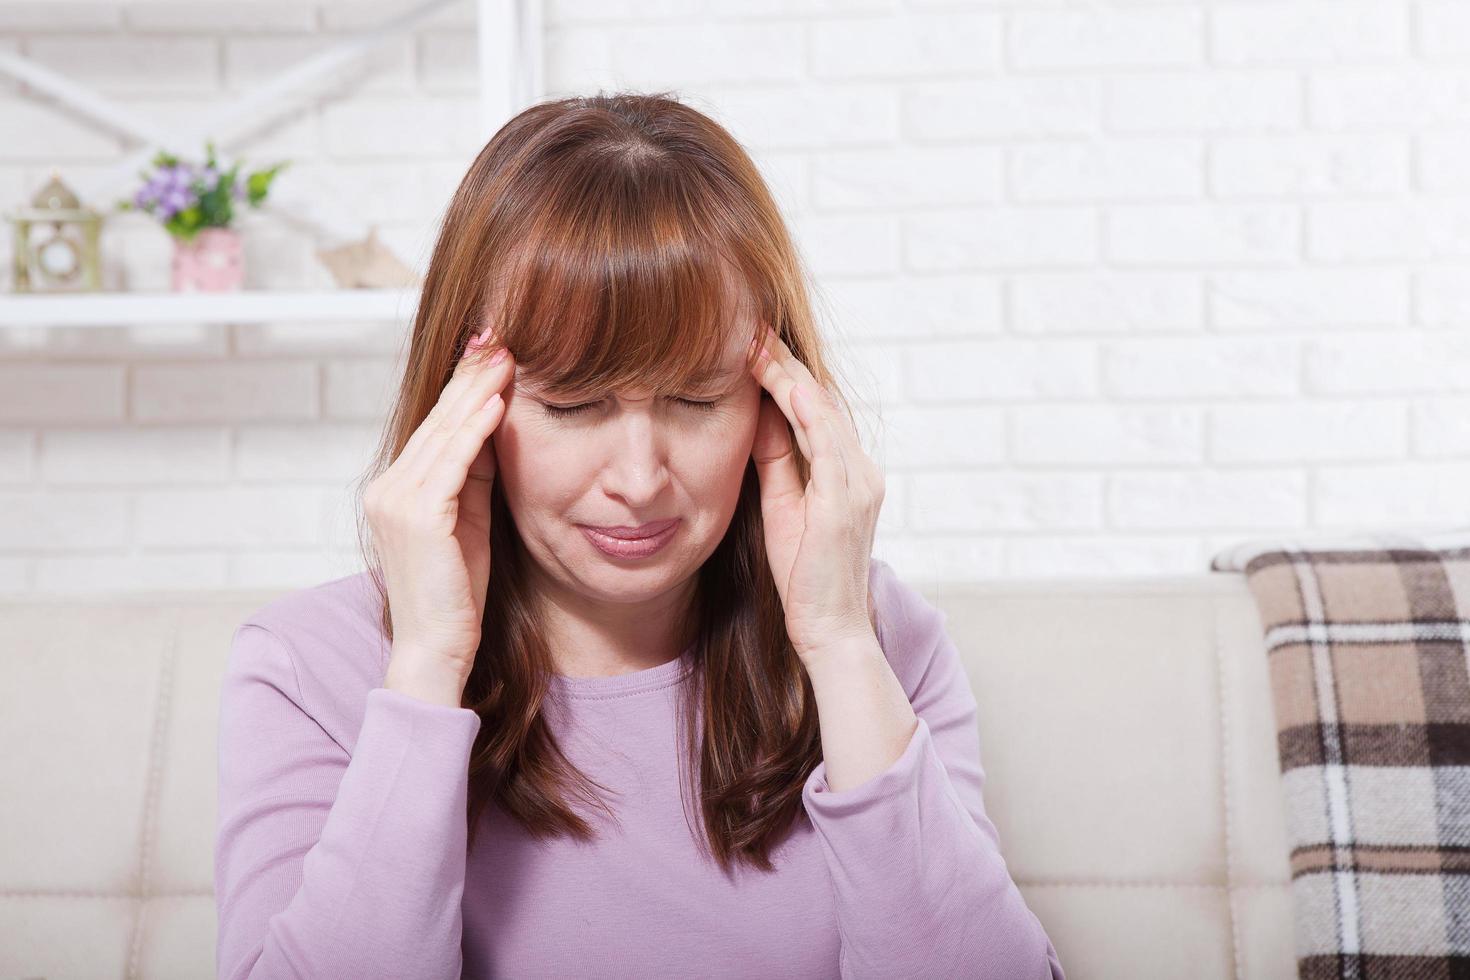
(1367, 638)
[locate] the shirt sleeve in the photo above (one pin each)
(328, 864)
(921, 887)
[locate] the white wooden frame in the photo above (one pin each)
(510, 78)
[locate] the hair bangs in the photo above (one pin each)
(632, 294)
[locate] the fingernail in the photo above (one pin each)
(498, 356)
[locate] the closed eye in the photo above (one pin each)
(568, 410)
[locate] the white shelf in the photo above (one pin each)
(246, 306)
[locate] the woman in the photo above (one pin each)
(714, 737)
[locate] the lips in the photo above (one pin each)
(626, 533)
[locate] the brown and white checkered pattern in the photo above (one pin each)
(1367, 638)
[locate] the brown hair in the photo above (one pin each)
(606, 233)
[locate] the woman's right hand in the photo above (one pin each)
(430, 519)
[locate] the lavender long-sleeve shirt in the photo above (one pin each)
(340, 848)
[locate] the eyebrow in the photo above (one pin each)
(698, 379)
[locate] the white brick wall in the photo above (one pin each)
(1121, 283)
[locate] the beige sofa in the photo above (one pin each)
(1125, 725)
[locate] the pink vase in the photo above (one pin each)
(213, 262)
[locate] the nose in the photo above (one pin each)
(636, 468)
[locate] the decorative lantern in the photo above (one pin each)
(57, 243)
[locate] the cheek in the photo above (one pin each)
(530, 464)
(724, 451)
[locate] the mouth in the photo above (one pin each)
(642, 531)
(631, 542)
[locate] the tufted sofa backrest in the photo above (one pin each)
(1125, 726)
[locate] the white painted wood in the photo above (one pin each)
(246, 306)
(512, 74)
(502, 33)
(532, 75)
(98, 108)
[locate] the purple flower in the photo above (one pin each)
(173, 187)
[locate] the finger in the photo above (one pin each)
(779, 382)
(774, 455)
(447, 396)
(474, 499)
(451, 466)
(481, 378)
(829, 469)
(842, 426)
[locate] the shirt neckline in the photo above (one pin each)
(654, 678)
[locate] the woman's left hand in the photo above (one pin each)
(819, 538)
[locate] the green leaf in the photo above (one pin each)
(258, 184)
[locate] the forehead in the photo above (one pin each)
(730, 366)
(718, 378)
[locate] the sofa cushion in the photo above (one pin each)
(1366, 638)
(1125, 727)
